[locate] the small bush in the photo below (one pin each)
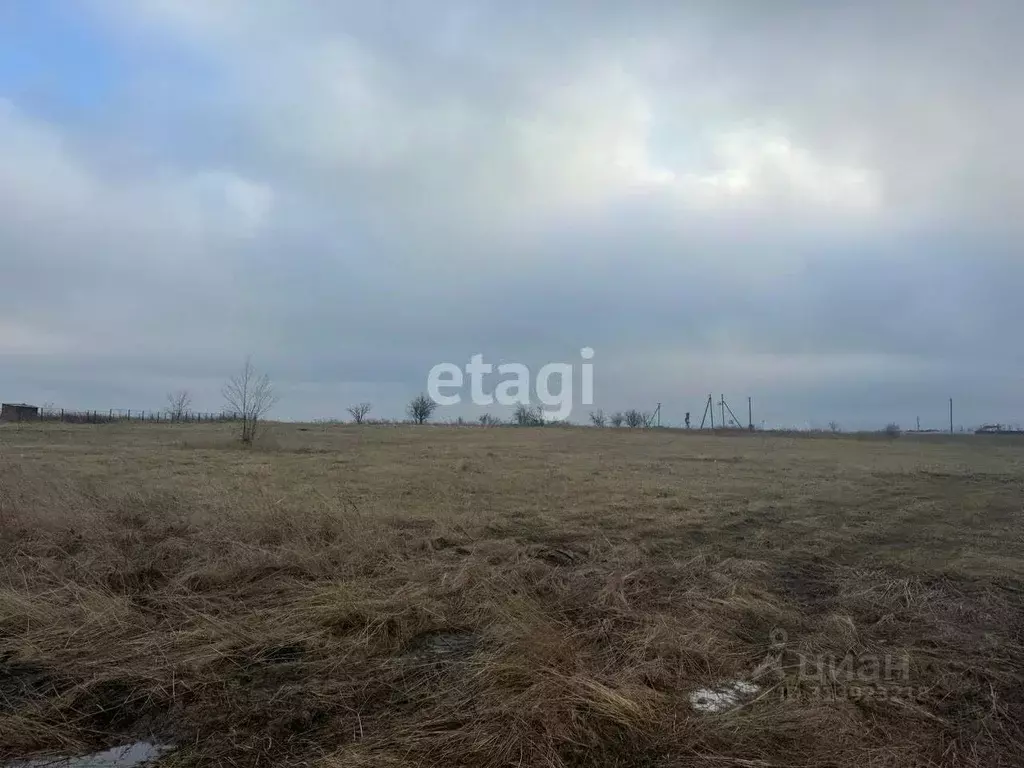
(635, 418)
(528, 416)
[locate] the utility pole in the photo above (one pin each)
(918, 423)
(723, 410)
(710, 411)
(709, 408)
(951, 415)
(750, 413)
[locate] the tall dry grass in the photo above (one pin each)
(498, 598)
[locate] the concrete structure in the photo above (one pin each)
(18, 412)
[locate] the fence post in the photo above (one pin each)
(61, 415)
(129, 414)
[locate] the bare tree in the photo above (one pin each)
(617, 419)
(358, 412)
(635, 418)
(489, 420)
(833, 426)
(178, 403)
(597, 418)
(525, 416)
(250, 395)
(421, 408)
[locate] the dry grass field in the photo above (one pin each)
(414, 596)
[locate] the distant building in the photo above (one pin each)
(18, 412)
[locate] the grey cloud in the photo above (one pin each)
(812, 204)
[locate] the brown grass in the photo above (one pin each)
(411, 596)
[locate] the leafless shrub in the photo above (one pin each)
(489, 420)
(250, 395)
(892, 430)
(358, 412)
(528, 416)
(178, 404)
(617, 419)
(833, 426)
(421, 408)
(635, 418)
(597, 418)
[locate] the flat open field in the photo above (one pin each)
(392, 596)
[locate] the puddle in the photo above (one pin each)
(141, 753)
(714, 700)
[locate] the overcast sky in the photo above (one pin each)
(819, 205)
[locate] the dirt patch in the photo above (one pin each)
(811, 584)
